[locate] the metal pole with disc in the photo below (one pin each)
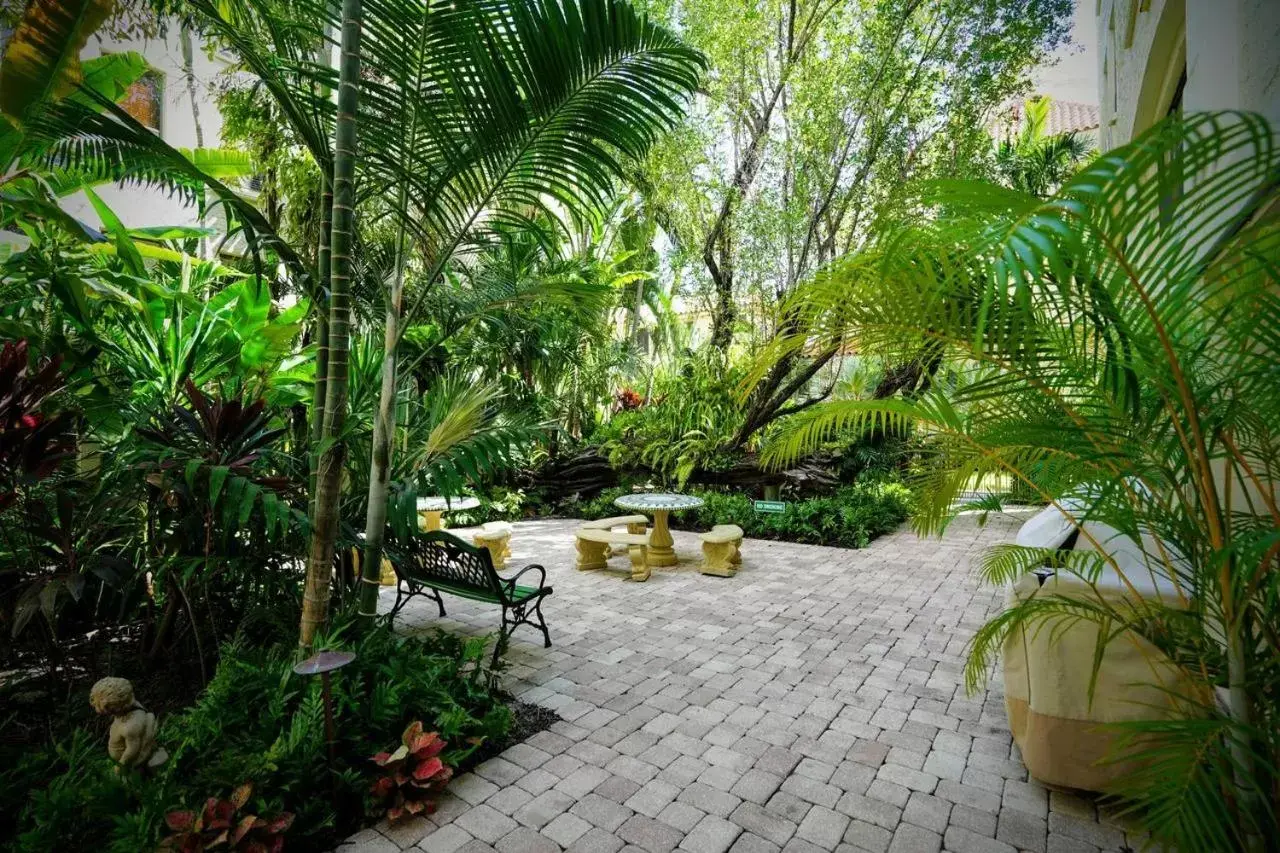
(322, 664)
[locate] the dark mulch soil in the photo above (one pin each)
(528, 720)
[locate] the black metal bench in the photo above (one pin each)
(435, 562)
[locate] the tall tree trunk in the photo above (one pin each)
(189, 73)
(315, 596)
(321, 307)
(724, 311)
(384, 430)
(384, 425)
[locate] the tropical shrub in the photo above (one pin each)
(1114, 349)
(219, 826)
(687, 424)
(33, 441)
(415, 775)
(260, 723)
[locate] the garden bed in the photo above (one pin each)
(256, 722)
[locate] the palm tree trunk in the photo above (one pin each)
(189, 74)
(384, 430)
(321, 307)
(328, 491)
(384, 425)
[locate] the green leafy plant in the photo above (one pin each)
(688, 423)
(220, 825)
(67, 796)
(1035, 161)
(415, 774)
(1116, 343)
(218, 446)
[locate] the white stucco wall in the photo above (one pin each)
(1229, 48)
(136, 206)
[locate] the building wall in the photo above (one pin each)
(138, 207)
(1229, 49)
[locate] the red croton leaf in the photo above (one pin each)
(415, 806)
(428, 745)
(180, 821)
(280, 824)
(218, 813)
(428, 769)
(243, 828)
(395, 813)
(383, 787)
(411, 733)
(241, 795)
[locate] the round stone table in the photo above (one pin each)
(660, 505)
(431, 508)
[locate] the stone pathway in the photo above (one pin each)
(815, 702)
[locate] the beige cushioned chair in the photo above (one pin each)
(1048, 666)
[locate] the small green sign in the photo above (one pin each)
(770, 506)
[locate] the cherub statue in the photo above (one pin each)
(132, 741)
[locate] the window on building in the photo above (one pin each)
(145, 99)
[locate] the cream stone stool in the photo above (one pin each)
(720, 550)
(496, 537)
(594, 544)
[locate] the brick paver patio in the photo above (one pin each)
(815, 702)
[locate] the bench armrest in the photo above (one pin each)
(509, 584)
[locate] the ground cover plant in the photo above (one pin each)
(258, 723)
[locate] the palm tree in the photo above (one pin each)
(328, 487)
(473, 115)
(1036, 161)
(1117, 340)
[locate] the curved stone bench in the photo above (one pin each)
(721, 550)
(594, 544)
(634, 524)
(631, 521)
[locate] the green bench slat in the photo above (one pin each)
(521, 592)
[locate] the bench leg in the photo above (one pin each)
(638, 527)
(639, 562)
(519, 616)
(402, 598)
(736, 559)
(542, 623)
(592, 555)
(717, 559)
(500, 647)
